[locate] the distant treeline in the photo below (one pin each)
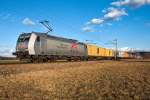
(7, 58)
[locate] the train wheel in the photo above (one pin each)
(45, 60)
(69, 59)
(34, 60)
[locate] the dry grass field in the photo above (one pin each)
(93, 80)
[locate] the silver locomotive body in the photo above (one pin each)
(40, 46)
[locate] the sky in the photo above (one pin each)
(91, 21)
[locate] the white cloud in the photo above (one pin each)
(6, 52)
(114, 13)
(127, 49)
(124, 49)
(131, 3)
(111, 14)
(96, 21)
(28, 21)
(148, 1)
(87, 29)
(119, 3)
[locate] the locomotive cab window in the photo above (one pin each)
(23, 39)
(38, 39)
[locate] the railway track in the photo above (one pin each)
(11, 62)
(17, 62)
(26, 62)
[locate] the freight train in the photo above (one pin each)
(41, 47)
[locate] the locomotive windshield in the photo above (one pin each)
(24, 38)
(23, 41)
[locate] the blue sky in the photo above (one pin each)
(99, 21)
